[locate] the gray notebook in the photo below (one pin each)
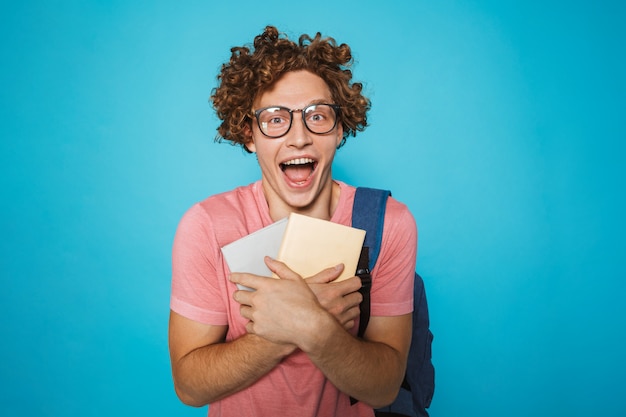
(247, 254)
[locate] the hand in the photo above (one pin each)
(284, 311)
(341, 299)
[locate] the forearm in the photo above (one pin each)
(368, 371)
(213, 372)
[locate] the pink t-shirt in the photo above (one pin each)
(202, 292)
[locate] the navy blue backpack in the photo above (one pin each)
(419, 382)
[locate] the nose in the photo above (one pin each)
(298, 136)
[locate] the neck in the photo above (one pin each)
(322, 207)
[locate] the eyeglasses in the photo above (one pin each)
(275, 121)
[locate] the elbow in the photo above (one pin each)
(187, 397)
(387, 396)
(385, 400)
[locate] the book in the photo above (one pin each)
(306, 244)
(247, 254)
(310, 245)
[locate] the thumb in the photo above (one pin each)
(326, 275)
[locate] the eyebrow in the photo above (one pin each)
(311, 103)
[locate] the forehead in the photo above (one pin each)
(294, 90)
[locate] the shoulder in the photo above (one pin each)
(228, 205)
(226, 216)
(215, 207)
(233, 200)
(398, 212)
(400, 226)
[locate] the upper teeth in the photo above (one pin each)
(299, 161)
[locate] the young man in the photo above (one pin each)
(289, 347)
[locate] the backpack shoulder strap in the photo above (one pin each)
(368, 213)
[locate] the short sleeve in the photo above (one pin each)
(394, 273)
(196, 270)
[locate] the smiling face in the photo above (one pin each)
(296, 168)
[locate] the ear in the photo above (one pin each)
(339, 134)
(250, 146)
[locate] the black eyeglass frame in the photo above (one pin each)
(335, 107)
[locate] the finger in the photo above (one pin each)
(281, 269)
(353, 300)
(250, 327)
(352, 314)
(326, 275)
(348, 319)
(246, 312)
(349, 285)
(243, 297)
(250, 281)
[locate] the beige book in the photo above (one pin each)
(310, 245)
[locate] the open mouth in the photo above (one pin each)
(298, 170)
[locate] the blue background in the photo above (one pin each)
(501, 124)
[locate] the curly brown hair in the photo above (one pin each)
(250, 73)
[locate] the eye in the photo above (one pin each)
(316, 114)
(276, 120)
(317, 117)
(274, 116)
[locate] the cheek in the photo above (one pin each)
(331, 151)
(266, 151)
